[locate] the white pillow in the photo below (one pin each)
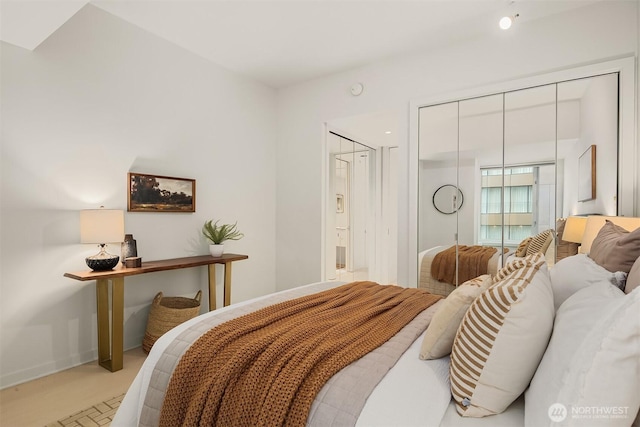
(589, 372)
(573, 273)
(438, 339)
(502, 338)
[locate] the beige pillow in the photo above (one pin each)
(615, 248)
(438, 339)
(502, 338)
(540, 242)
(633, 279)
(521, 250)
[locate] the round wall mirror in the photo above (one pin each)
(448, 199)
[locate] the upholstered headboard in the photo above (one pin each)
(595, 223)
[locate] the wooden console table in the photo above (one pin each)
(110, 345)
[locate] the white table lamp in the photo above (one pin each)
(102, 226)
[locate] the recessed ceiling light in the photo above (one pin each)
(506, 21)
(388, 132)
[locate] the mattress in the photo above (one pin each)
(413, 393)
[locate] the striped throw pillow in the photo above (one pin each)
(502, 338)
(540, 242)
(522, 247)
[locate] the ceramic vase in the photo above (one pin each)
(216, 250)
(129, 247)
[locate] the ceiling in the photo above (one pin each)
(282, 43)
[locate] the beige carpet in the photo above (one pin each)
(99, 414)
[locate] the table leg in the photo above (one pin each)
(110, 345)
(102, 295)
(212, 287)
(227, 283)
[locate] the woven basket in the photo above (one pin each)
(167, 313)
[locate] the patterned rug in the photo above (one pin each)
(100, 414)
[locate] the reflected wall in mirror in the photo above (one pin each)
(517, 155)
(448, 199)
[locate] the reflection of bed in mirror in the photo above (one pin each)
(428, 280)
(437, 266)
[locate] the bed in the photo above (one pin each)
(581, 340)
(439, 287)
(543, 242)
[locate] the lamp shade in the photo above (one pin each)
(101, 226)
(574, 229)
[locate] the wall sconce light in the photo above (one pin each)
(102, 226)
(506, 21)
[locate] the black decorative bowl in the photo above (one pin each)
(102, 264)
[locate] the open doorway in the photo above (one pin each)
(351, 213)
(360, 193)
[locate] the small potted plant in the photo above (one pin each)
(218, 234)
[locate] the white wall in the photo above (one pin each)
(598, 126)
(97, 99)
(558, 42)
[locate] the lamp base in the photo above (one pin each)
(102, 264)
(102, 261)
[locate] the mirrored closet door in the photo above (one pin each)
(501, 170)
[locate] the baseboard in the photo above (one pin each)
(15, 378)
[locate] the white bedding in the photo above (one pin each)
(513, 416)
(413, 393)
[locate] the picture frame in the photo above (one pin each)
(587, 175)
(157, 193)
(339, 203)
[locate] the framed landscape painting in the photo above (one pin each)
(155, 193)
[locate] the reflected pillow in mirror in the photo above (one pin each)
(540, 242)
(615, 248)
(564, 248)
(438, 339)
(521, 250)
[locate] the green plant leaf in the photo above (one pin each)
(217, 234)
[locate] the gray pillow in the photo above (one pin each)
(615, 248)
(633, 279)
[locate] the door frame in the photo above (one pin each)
(328, 202)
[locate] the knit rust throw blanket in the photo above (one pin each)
(472, 262)
(265, 368)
